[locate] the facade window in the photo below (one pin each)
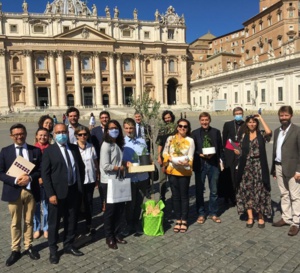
(291, 38)
(291, 13)
(126, 33)
(38, 29)
(248, 96)
(148, 65)
(66, 28)
(171, 66)
(102, 30)
(225, 96)
(16, 63)
(298, 92)
(103, 64)
(40, 63)
(242, 49)
(253, 30)
(263, 95)
(146, 35)
(269, 21)
(104, 79)
(69, 79)
(86, 63)
(279, 16)
(68, 64)
(200, 101)
(13, 28)
(171, 34)
(260, 26)
(279, 41)
(236, 97)
(280, 94)
(207, 100)
(127, 65)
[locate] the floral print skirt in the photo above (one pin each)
(251, 193)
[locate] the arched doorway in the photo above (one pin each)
(128, 94)
(42, 97)
(105, 99)
(70, 100)
(88, 96)
(171, 92)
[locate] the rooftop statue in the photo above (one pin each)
(116, 12)
(25, 6)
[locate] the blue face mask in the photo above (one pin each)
(61, 138)
(238, 117)
(114, 133)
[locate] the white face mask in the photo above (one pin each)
(114, 133)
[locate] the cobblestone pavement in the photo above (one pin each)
(211, 247)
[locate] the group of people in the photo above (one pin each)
(70, 161)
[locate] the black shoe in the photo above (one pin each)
(14, 256)
(111, 243)
(250, 225)
(54, 258)
(33, 254)
(261, 225)
(73, 251)
(120, 240)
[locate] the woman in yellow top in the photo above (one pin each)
(178, 159)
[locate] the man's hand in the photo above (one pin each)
(23, 180)
(53, 200)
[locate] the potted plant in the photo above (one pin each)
(178, 156)
(135, 159)
(145, 158)
(207, 148)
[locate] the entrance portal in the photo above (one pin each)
(42, 97)
(171, 92)
(70, 100)
(105, 99)
(88, 96)
(128, 94)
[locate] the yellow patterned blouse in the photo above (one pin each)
(174, 148)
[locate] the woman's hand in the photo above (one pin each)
(183, 163)
(237, 152)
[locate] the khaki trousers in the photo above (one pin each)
(290, 197)
(24, 207)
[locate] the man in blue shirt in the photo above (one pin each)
(133, 148)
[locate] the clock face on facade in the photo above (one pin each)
(171, 19)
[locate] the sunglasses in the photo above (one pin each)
(182, 126)
(84, 134)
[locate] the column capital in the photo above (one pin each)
(2, 52)
(96, 53)
(27, 53)
(184, 57)
(51, 53)
(118, 56)
(75, 53)
(158, 56)
(138, 56)
(60, 53)
(111, 54)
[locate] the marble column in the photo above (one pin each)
(184, 89)
(98, 89)
(119, 79)
(30, 84)
(53, 93)
(4, 102)
(78, 95)
(159, 83)
(138, 76)
(62, 96)
(112, 81)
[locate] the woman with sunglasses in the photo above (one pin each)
(111, 154)
(47, 122)
(89, 157)
(253, 178)
(178, 157)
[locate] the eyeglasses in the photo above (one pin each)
(112, 128)
(18, 135)
(182, 126)
(83, 134)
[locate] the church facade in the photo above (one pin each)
(257, 66)
(70, 56)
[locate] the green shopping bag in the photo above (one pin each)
(153, 224)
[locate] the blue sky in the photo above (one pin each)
(217, 16)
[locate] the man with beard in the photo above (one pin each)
(286, 169)
(231, 130)
(73, 117)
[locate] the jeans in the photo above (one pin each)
(180, 195)
(39, 220)
(212, 173)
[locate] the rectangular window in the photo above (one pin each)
(207, 100)
(127, 65)
(66, 28)
(42, 79)
(263, 95)
(171, 34)
(225, 96)
(280, 94)
(104, 79)
(128, 79)
(40, 63)
(38, 29)
(248, 96)
(147, 35)
(126, 33)
(236, 98)
(69, 79)
(68, 64)
(298, 92)
(13, 28)
(102, 30)
(200, 101)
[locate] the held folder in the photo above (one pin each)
(20, 166)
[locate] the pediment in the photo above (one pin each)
(85, 33)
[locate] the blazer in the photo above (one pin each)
(290, 152)
(97, 138)
(11, 191)
(229, 131)
(215, 136)
(55, 171)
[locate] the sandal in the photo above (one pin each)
(216, 219)
(201, 220)
(183, 227)
(250, 225)
(177, 226)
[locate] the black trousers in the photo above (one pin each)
(180, 195)
(66, 208)
(133, 208)
(112, 217)
(88, 192)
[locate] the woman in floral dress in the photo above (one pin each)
(253, 178)
(178, 157)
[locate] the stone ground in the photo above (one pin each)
(211, 247)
